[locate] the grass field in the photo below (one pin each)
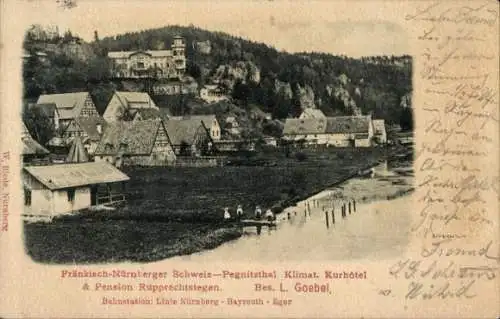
(176, 211)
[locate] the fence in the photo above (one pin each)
(206, 161)
(110, 199)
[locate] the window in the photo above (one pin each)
(71, 195)
(27, 197)
(140, 65)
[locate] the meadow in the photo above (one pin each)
(178, 211)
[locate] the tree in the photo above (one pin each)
(39, 125)
(241, 92)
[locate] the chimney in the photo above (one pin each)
(99, 129)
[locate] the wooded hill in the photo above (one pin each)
(288, 82)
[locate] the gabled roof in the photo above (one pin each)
(183, 130)
(348, 124)
(73, 175)
(77, 153)
(304, 126)
(88, 125)
(30, 146)
(130, 138)
(64, 100)
(134, 97)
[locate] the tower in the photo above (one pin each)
(179, 53)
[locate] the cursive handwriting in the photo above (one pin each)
(469, 15)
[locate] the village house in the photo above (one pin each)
(89, 129)
(52, 190)
(340, 131)
(212, 93)
(68, 106)
(186, 85)
(150, 63)
(209, 121)
(124, 106)
(379, 131)
(32, 151)
(311, 113)
(143, 143)
(189, 137)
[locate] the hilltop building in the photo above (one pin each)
(212, 93)
(65, 107)
(151, 63)
(129, 106)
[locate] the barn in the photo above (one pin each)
(53, 190)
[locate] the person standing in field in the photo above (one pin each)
(258, 212)
(227, 215)
(239, 212)
(269, 215)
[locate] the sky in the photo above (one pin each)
(353, 29)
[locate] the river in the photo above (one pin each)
(377, 229)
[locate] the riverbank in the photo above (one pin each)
(179, 211)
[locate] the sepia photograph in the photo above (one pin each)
(249, 159)
(184, 141)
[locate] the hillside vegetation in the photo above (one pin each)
(257, 74)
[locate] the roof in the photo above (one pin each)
(73, 175)
(304, 126)
(89, 125)
(64, 100)
(183, 130)
(348, 124)
(77, 153)
(30, 146)
(126, 54)
(149, 114)
(329, 125)
(313, 113)
(137, 97)
(131, 138)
